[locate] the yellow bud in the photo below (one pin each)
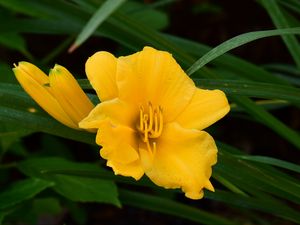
(59, 95)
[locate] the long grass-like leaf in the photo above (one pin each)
(237, 42)
(252, 89)
(280, 22)
(103, 12)
(170, 207)
(269, 120)
(272, 161)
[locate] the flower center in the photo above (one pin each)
(150, 125)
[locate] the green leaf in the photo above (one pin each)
(291, 4)
(103, 12)
(252, 89)
(4, 213)
(46, 206)
(256, 178)
(157, 20)
(36, 210)
(242, 68)
(158, 204)
(14, 41)
(21, 191)
(280, 22)
(237, 42)
(32, 8)
(278, 209)
(271, 161)
(6, 74)
(83, 189)
(9, 134)
(269, 120)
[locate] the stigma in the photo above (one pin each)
(150, 125)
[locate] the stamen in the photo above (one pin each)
(155, 122)
(161, 122)
(150, 116)
(154, 148)
(146, 131)
(141, 118)
(150, 125)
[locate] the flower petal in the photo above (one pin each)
(119, 112)
(119, 143)
(183, 159)
(69, 94)
(119, 148)
(101, 71)
(155, 76)
(205, 108)
(133, 169)
(34, 72)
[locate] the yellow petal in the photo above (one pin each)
(133, 169)
(119, 148)
(35, 82)
(155, 76)
(119, 143)
(183, 158)
(119, 112)
(34, 72)
(69, 94)
(205, 108)
(101, 71)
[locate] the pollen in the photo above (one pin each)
(150, 125)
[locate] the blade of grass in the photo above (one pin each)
(237, 42)
(269, 120)
(252, 89)
(103, 12)
(280, 22)
(285, 68)
(242, 68)
(264, 205)
(163, 205)
(256, 176)
(266, 104)
(271, 161)
(293, 5)
(36, 9)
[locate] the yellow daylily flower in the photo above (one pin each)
(58, 94)
(151, 117)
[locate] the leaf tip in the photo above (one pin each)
(72, 48)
